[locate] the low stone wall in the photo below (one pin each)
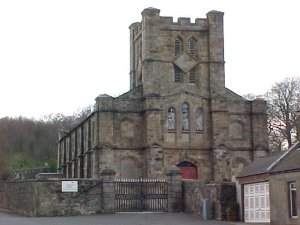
(218, 195)
(193, 194)
(45, 197)
(4, 199)
(29, 173)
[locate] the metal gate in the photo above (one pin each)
(138, 195)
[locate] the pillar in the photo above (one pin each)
(108, 185)
(175, 201)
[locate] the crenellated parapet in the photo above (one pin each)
(184, 24)
(181, 23)
(168, 23)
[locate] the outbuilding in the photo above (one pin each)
(270, 188)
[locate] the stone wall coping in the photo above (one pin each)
(51, 179)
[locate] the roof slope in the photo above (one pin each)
(289, 162)
(260, 165)
(282, 161)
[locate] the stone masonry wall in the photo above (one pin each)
(193, 194)
(218, 195)
(45, 197)
(29, 173)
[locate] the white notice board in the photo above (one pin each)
(69, 186)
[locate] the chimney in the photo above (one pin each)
(298, 124)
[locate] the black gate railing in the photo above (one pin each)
(138, 195)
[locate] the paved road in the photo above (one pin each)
(111, 219)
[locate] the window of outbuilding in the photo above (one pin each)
(293, 200)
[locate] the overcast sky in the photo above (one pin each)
(57, 55)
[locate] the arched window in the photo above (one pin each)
(171, 119)
(199, 119)
(177, 47)
(192, 76)
(177, 74)
(192, 46)
(185, 117)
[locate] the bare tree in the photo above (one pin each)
(251, 97)
(283, 100)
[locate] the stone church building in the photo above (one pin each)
(177, 111)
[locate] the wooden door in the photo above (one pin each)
(256, 202)
(189, 170)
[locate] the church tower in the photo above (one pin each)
(167, 55)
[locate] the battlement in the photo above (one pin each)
(183, 23)
(168, 23)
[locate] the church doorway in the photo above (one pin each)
(188, 169)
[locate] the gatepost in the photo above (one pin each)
(174, 189)
(108, 187)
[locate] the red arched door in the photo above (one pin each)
(189, 170)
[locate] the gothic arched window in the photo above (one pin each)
(177, 74)
(192, 76)
(185, 117)
(177, 47)
(171, 121)
(199, 119)
(192, 46)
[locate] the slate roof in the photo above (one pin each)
(290, 162)
(260, 165)
(279, 162)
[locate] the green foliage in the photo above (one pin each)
(29, 143)
(19, 161)
(231, 207)
(52, 164)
